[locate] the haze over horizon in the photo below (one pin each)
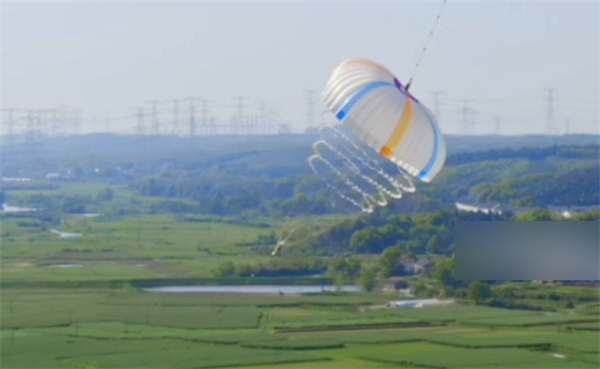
(104, 57)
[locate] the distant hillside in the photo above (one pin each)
(577, 187)
(261, 154)
(270, 174)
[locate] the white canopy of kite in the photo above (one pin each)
(369, 99)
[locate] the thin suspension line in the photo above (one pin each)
(437, 19)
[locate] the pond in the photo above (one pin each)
(85, 215)
(66, 234)
(66, 266)
(16, 209)
(285, 289)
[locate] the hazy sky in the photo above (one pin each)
(103, 56)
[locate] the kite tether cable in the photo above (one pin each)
(425, 47)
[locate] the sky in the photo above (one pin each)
(106, 57)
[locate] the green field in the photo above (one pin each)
(119, 245)
(90, 314)
(152, 247)
(108, 328)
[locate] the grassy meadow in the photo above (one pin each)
(124, 247)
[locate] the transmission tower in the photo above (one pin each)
(176, 117)
(32, 129)
(497, 125)
(283, 128)
(262, 117)
(207, 123)
(49, 121)
(176, 121)
(11, 123)
(192, 112)
(310, 108)
(214, 126)
(237, 122)
(550, 123)
(64, 119)
(106, 122)
(140, 125)
(468, 118)
(76, 121)
(155, 122)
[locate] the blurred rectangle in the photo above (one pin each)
(544, 250)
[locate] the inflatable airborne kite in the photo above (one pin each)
(370, 100)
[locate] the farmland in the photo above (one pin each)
(108, 328)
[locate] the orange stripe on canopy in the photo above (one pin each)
(400, 131)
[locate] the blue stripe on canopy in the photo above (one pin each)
(358, 95)
(436, 152)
